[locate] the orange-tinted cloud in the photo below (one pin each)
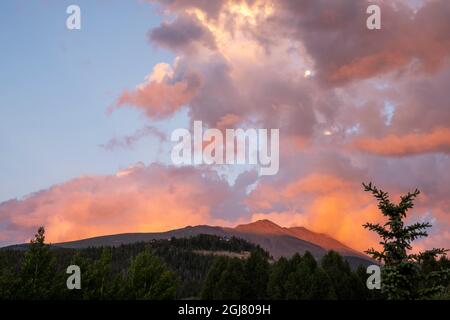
(323, 203)
(162, 94)
(139, 199)
(393, 145)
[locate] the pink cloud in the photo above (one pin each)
(141, 199)
(437, 141)
(162, 93)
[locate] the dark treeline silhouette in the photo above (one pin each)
(182, 268)
(133, 271)
(300, 277)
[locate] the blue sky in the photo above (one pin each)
(56, 86)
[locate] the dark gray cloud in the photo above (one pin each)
(334, 33)
(182, 34)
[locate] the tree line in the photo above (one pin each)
(172, 269)
(159, 269)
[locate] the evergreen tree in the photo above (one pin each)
(276, 287)
(8, 284)
(308, 281)
(105, 272)
(402, 277)
(346, 284)
(256, 276)
(78, 260)
(225, 280)
(231, 284)
(321, 288)
(38, 270)
(366, 294)
(96, 276)
(149, 278)
(212, 278)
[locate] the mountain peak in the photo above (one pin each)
(268, 228)
(277, 240)
(261, 226)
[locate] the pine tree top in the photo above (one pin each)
(396, 237)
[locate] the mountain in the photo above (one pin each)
(261, 227)
(277, 240)
(322, 240)
(269, 228)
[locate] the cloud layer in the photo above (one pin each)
(140, 198)
(352, 105)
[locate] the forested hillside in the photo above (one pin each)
(203, 266)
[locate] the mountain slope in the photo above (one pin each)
(262, 227)
(324, 241)
(276, 245)
(277, 240)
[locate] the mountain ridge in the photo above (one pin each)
(277, 240)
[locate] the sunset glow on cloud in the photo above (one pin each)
(436, 141)
(352, 105)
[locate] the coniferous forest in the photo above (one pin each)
(185, 269)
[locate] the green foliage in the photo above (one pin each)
(233, 278)
(403, 276)
(155, 270)
(8, 283)
(97, 276)
(209, 291)
(225, 280)
(366, 294)
(38, 270)
(256, 273)
(149, 279)
(346, 284)
(276, 287)
(299, 277)
(308, 281)
(106, 272)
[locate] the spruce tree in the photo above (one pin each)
(97, 276)
(8, 284)
(225, 280)
(150, 279)
(308, 281)
(276, 286)
(38, 270)
(346, 284)
(256, 270)
(219, 265)
(402, 276)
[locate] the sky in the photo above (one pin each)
(87, 114)
(56, 86)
